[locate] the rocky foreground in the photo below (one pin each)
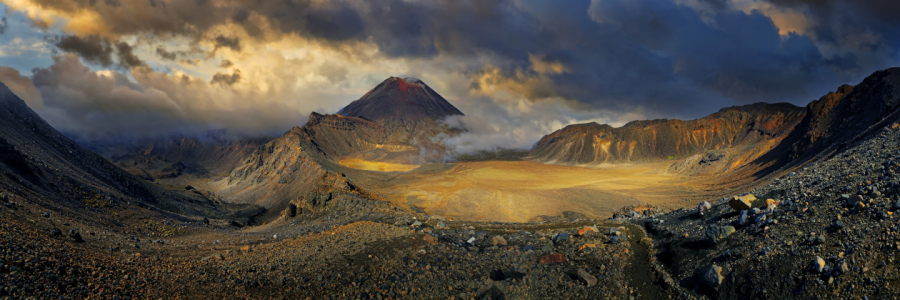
(829, 230)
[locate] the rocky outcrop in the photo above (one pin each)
(654, 140)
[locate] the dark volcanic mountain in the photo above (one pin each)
(400, 98)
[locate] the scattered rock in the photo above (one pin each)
(819, 264)
(703, 206)
(742, 202)
(76, 236)
(585, 246)
(856, 202)
(559, 237)
(586, 277)
(430, 239)
(587, 229)
(713, 276)
(552, 258)
(440, 225)
(498, 240)
(718, 233)
(617, 239)
(416, 224)
(55, 231)
(744, 218)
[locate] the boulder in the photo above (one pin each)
(587, 229)
(819, 264)
(713, 276)
(498, 240)
(742, 202)
(856, 202)
(718, 233)
(770, 202)
(440, 225)
(559, 237)
(586, 277)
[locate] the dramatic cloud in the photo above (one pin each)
(518, 68)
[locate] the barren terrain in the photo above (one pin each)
(521, 191)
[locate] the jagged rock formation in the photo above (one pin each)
(653, 140)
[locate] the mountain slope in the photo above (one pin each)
(40, 164)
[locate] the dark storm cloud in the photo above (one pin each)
(126, 55)
(93, 48)
(99, 50)
(225, 79)
(233, 43)
(226, 64)
(868, 31)
(161, 51)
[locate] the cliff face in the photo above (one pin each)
(642, 141)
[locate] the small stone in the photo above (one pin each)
(440, 225)
(76, 236)
(614, 231)
(842, 267)
(588, 279)
(416, 224)
(718, 233)
(471, 240)
(552, 258)
(770, 202)
(745, 218)
(430, 239)
(617, 239)
(559, 237)
(587, 229)
(498, 240)
(55, 231)
(585, 246)
(713, 276)
(760, 218)
(703, 206)
(819, 264)
(856, 202)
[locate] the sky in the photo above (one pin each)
(518, 69)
